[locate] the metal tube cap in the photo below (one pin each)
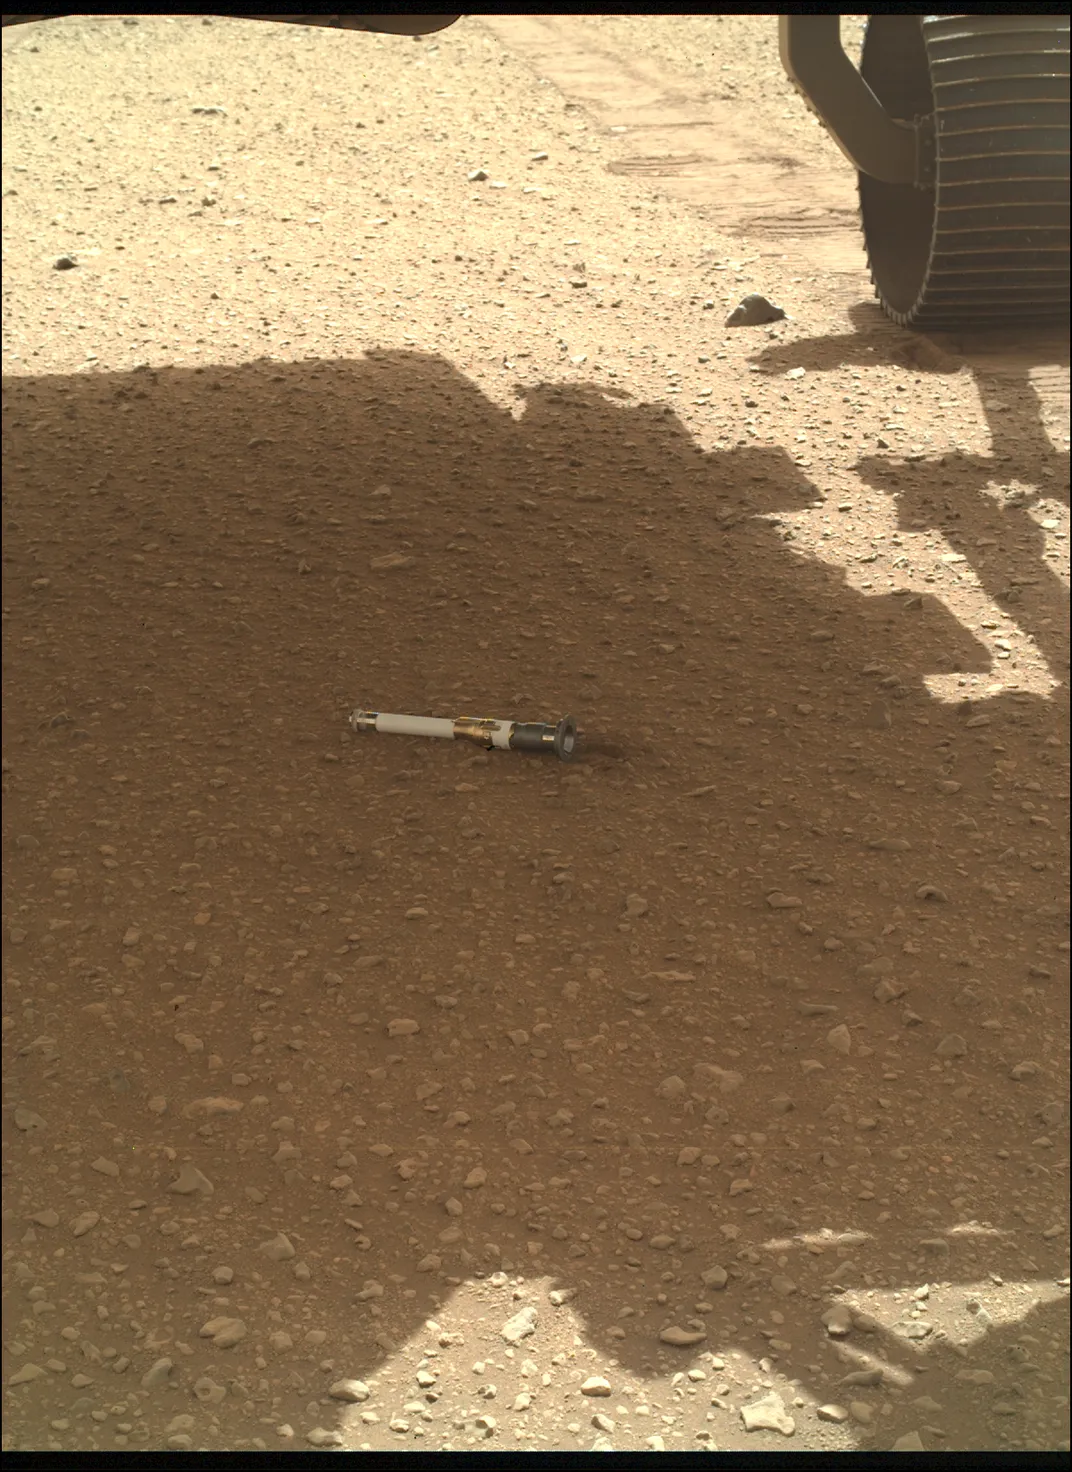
(557, 740)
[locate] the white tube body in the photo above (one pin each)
(416, 726)
(500, 737)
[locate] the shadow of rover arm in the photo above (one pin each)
(389, 25)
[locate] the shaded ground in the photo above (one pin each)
(354, 1047)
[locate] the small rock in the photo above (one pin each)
(191, 1182)
(863, 1377)
(833, 1412)
(159, 1373)
(927, 1404)
(402, 1027)
(838, 1321)
(1020, 1071)
(768, 1414)
(351, 1391)
(212, 1107)
(208, 1392)
(29, 1372)
(635, 906)
(952, 1046)
(753, 311)
(779, 901)
(64, 263)
(84, 1223)
(225, 1333)
(910, 1442)
(681, 1338)
(596, 1385)
(931, 892)
(840, 1039)
(520, 1326)
(390, 562)
(320, 1436)
(278, 1249)
(728, 1081)
(861, 1412)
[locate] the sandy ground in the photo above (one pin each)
(359, 1091)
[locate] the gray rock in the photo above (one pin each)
(753, 311)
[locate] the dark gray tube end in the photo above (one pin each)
(557, 740)
(565, 738)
